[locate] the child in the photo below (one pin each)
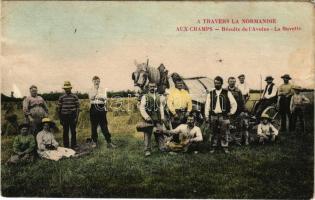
(296, 107)
(266, 131)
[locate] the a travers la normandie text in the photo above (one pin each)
(238, 25)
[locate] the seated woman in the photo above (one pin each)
(48, 147)
(23, 146)
(266, 132)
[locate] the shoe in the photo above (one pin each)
(147, 153)
(246, 143)
(75, 147)
(226, 151)
(196, 152)
(212, 151)
(111, 146)
(93, 145)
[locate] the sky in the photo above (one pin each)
(47, 43)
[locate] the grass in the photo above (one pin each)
(282, 170)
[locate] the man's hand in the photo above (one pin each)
(148, 119)
(30, 118)
(187, 114)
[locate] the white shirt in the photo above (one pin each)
(244, 88)
(218, 109)
(97, 96)
(185, 132)
(144, 114)
(43, 138)
(273, 92)
(266, 129)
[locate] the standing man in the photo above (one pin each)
(68, 109)
(152, 111)
(35, 109)
(220, 105)
(297, 106)
(268, 97)
(179, 103)
(244, 87)
(285, 93)
(236, 120)
(237, 94)
(98, 111)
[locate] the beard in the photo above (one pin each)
(217, 87)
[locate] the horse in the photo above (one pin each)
(146, 74)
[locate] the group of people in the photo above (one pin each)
(36, 132)
(169, 117)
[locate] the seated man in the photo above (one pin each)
(268, 97)
(189, 137)
(48, 147)
(23, 146)
(266, 132)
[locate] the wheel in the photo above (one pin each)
(273, 113)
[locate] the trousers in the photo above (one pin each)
(98, 118)
(220, 130)
(69, 123)
(159, 138)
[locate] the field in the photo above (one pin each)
(281, 170)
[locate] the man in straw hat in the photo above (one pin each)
(98, 111)
(297, 108)
(265, 130)
(68, 109)
(268, 97)
(285, 92)
(48, 147)
(35, 109)
(152, 111)
(23, 146)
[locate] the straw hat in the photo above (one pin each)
(296, 87)
(265, 116)
(49, 121)
(66, 85)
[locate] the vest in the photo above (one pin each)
(269, 89)
(224, 101)
(152, 107)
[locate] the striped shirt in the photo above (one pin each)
(68, 103)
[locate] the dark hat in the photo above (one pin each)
(95, 78)
(242, 75)
(24, 124)
(268, 78)
(286, 76)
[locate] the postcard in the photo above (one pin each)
(157, 99)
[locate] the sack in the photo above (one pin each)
(144, 126)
